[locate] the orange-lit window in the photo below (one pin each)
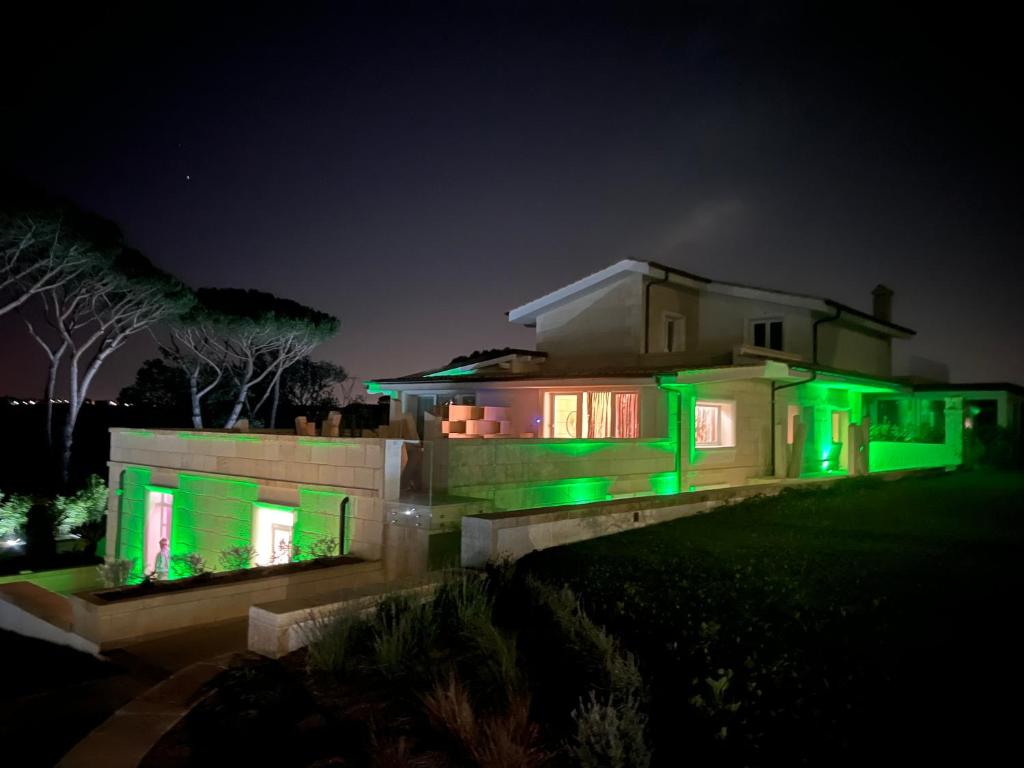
(714, 424)
(592, 415)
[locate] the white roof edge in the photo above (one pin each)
(527, 313)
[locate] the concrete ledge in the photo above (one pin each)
(114, 624)
(486, 538)
(30, 610)
(280, 627)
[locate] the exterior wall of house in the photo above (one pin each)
(522, 474)
(605, 321)
(725, 321)
(217, 480)
(751, 456)
(673, 299)
(846, 347)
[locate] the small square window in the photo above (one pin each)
(766, 334)
(714, 424)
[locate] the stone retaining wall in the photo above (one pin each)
(112, 624)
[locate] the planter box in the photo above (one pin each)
(112, 623)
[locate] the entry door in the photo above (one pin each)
(159, 514)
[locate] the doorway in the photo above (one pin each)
(159, 518)
(273, 530)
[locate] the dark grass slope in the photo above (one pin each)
(871, 621)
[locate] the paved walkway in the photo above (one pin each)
(191, 658)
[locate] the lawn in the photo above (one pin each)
(869, 621)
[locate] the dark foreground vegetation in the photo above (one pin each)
(873, 621)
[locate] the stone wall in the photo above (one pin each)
(112, 624)
(493, 537)
(519, 474)
(218, 478)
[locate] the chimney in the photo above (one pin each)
(882, 305)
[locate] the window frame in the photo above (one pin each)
(767, 322)
(726, 430)
(549, 395)
(673, 318)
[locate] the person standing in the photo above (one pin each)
(162, 566)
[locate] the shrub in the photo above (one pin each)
(287, 552)
(39, 527)
(236, 558)
(461, 600)
(402, 632)
(610, 734)
(325, 546)
(187, 564)
(116, 573)
(88, 505)
(611, 670)
(13, 515)
(505, 740)
(331, 642)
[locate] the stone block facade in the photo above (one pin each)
(218, 479)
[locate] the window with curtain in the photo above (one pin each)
(592, 414)
(714, 424)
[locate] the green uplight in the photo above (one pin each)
(214, 436)
(373, 388)
(460, 371)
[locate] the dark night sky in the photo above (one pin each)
(418, 169)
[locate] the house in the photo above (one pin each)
(644, 381)
(735, 383)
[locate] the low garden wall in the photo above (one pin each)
(497, 536)
(886, 456)
(109, 623)
(278, 628)
(524, 473)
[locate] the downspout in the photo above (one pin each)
(647, 308)
(341, 526)
(678, 432)
(814, 374)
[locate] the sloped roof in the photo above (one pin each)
(526, 314)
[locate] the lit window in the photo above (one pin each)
(714, 424)
(159, 517)
(272, 534)
(766, 334)
(592, 415)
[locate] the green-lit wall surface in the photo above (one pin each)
(523, 474)
(886, 456)
(212, 514)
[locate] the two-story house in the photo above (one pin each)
(751, 382)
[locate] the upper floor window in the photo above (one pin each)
(766, 334)
(591, 414)
(714, 424)
(674, 332)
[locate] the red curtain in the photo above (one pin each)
(627, 410)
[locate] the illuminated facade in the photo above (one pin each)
(645, 380)
(736, 384)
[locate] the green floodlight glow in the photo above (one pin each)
(459, 371)
(138, 432)
(324, 442)
(214, 436)
(373, 388)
